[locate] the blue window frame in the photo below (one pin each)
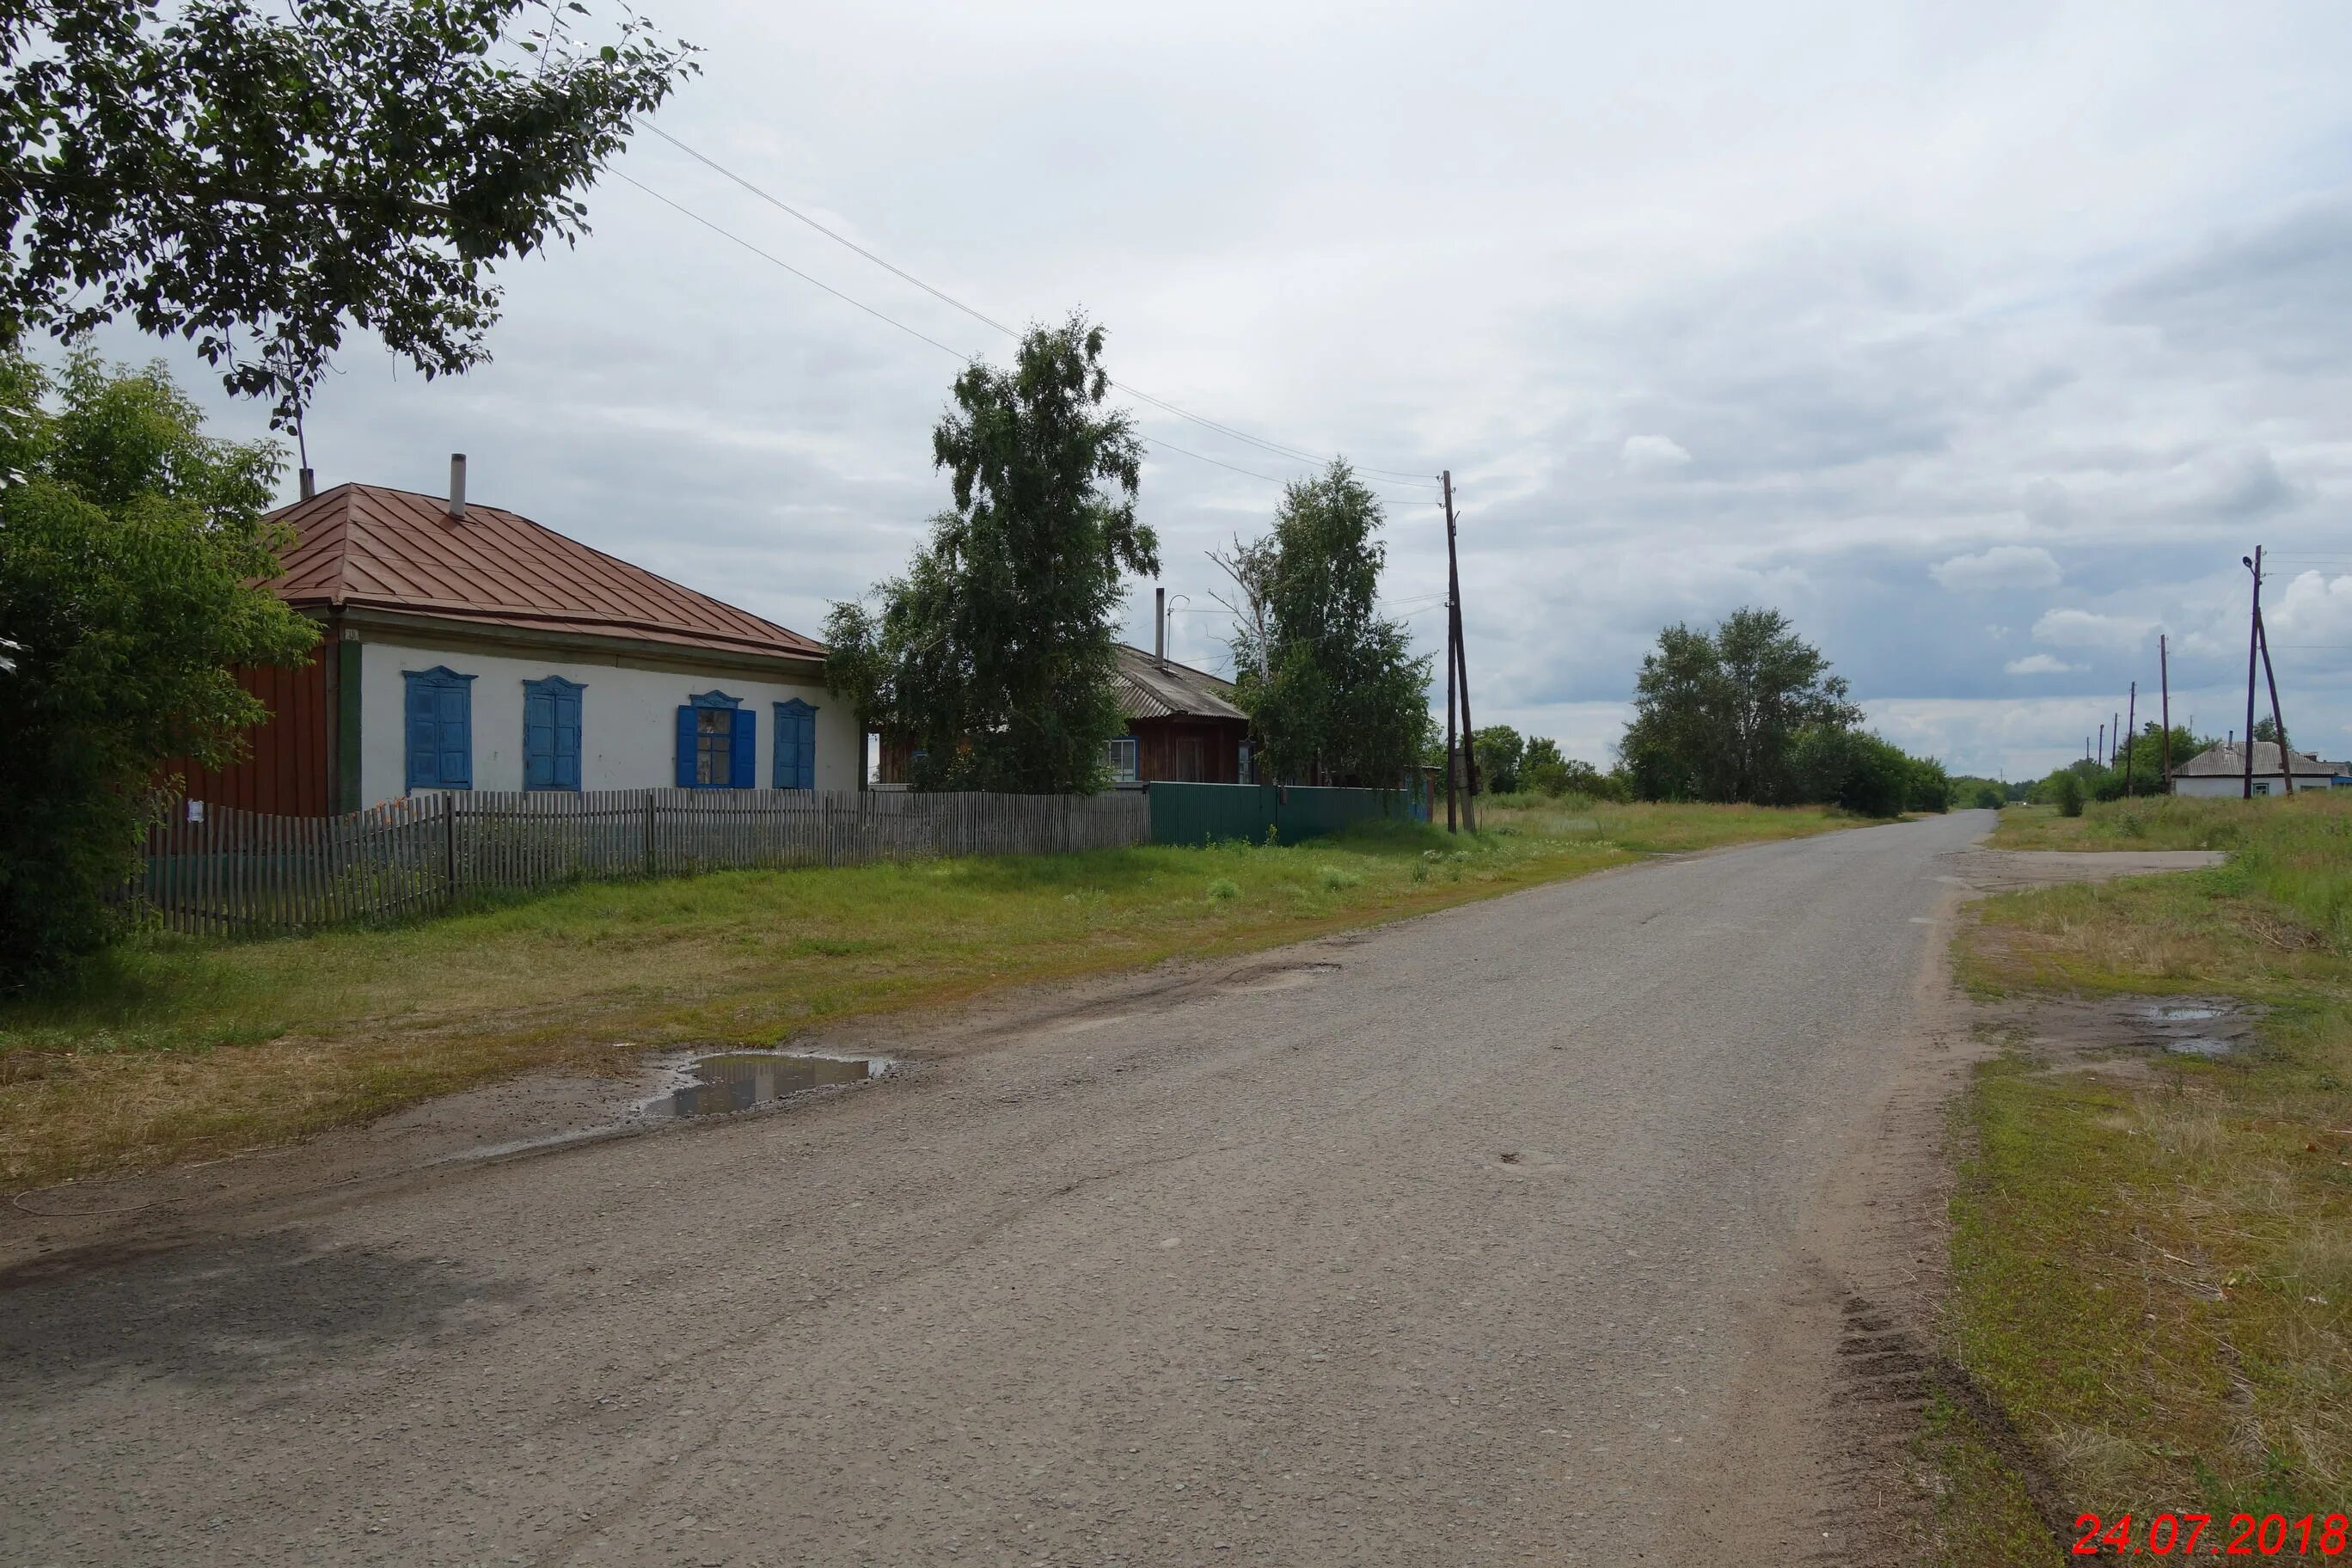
(1123, 755)
(795, 745)
(438, 718)
(718, 744)
(550, 733)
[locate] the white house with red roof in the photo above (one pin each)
(466, 646)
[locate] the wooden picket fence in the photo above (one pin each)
(213, 870)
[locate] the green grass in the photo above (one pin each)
(1981, 1514)
(176, 1049)
(2153, 1271)
(2158, 821)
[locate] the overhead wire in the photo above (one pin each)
(1277, 447)
(911, 332)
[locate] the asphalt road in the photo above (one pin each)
(1499, 1243)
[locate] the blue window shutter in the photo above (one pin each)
(567, 739)
(538, 750)
(550, 733)
(437, 727)
(456, 737)
(795, 745)
(421, 722)
(743, 758)
(685, 747)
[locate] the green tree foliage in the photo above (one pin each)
(994, 654)
(2142, 758)
(1858, 772)
(1342, 700)
(1717, 714)
(1547, 771)
(1542, 768)
(1500, 752)
(2067, 792)
(129, 546)
(256, 182)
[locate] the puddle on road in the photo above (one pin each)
(2198, 1015)
(739, 1080)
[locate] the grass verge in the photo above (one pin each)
(2152, 1259)
(2158, 821)
(178, 1049)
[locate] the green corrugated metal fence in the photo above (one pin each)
(1204, 812)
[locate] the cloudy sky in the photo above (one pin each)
(1982, 340)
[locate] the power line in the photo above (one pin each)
(1277, 447)
(957, 353)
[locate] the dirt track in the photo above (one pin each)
(1531, 1233)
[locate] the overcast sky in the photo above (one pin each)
(1982, 340)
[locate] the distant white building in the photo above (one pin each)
(2221, 771)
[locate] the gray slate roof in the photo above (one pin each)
(2230, 762)
(1149, 689)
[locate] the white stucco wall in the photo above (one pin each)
(2235, 785)
(628, 716)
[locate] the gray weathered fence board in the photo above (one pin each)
(238, 871)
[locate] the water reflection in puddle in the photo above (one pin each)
(2190, 1014)
(738, 1080)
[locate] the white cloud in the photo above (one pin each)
(1651, 455)
(2038, 664)
(2002, 566)
(2314, 610)
(2088, 628)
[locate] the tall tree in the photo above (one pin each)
(257, 182)
(1499, 750)
(994, 655)
(130, 545)
(1716, 714)
(1340, 698)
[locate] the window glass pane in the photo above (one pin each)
(714, 748)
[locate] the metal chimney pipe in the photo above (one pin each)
(1160, 626)
(457, 486)
(310, 484)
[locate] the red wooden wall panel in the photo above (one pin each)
(288, 770)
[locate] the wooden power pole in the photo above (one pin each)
(2164, 683)
(1451, 765)
(2131, 734)
(1461, 667)
(2278, 720)
(2254, 650)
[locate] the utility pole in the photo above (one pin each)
(2131, 734)
(2164, 682)
(1461, 667)
(2114, 737)
(2254, 649)
(1450, 824)
(2099, 756)
(2278, 721)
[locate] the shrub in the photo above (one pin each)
(1223, 888)
(2068, 792)
(130, 547)
(1336, 880)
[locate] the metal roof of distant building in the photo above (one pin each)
(366, 547)
(1148, 689)
(2229, 762)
